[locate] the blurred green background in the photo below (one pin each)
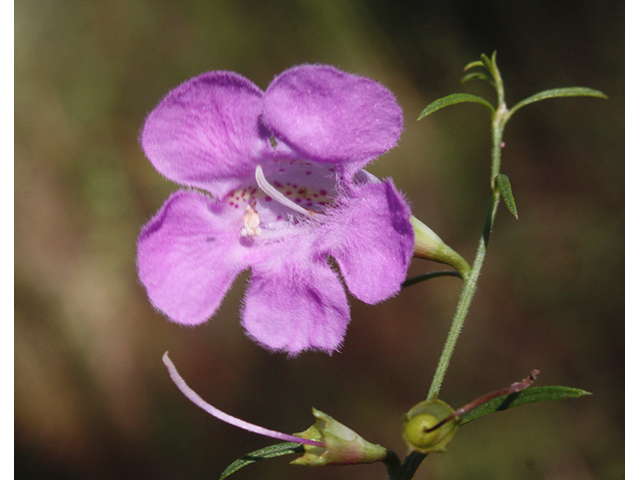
(92, 398)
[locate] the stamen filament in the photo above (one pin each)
(220, 415)
(278, 196)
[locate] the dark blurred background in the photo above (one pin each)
(92, 398)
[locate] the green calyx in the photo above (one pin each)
(429, 246)
(343, 446)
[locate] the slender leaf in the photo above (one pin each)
(559, 92)
(452, 100)
(530, 395)
(272, 451)
(505, 190)
(489, 63)
(477, 63)
(478, 75)
(429, 276)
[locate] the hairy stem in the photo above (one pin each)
(470, 286)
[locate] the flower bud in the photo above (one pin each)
(418, 432)
(342, 445)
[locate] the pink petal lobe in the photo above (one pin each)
(372, 240)
(332, 116)
(188, 256)
(206, 132)
(293, 305)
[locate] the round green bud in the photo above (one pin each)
(421, 419)
(416, 431)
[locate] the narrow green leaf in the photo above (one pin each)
(477, 63)
(530, 395)
(559, 92)
(429, 276)
(505, 190)
(272, 451)
(478, 75)
(452, 100)
(488, 63)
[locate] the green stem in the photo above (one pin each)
(468, 290)
(471, 282)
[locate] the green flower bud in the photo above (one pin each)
(418, 432)
(342, 445)
(430, 246)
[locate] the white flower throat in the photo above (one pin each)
(289, 195)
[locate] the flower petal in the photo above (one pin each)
(188, 256)
(295, 304)
(332, 116)
(371, 238)
(206, 132)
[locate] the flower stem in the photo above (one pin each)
(470, 285)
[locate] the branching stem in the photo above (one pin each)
(470, 286)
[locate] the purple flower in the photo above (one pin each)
(282, 170)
